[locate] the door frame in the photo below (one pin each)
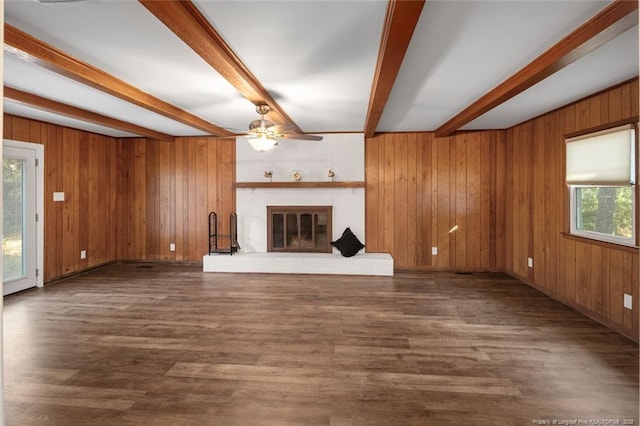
(39, 150)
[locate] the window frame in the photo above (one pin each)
(594, 235)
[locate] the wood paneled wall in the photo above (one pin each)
(588, 276)
(82, 165)
(127, 199)
(425, 192)
(166, 190)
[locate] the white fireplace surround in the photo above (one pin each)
(342, 153)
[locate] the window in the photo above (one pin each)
(601, 175)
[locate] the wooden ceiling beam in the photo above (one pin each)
(400, 22)
(612, 21)
(188, 23)
(53, 59)
(70, 111)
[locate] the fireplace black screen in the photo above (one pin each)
(299, 229)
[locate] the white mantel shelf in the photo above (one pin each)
(355, 184)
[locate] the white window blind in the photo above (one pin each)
(602, 158)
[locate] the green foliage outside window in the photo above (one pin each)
(12, 198)
(607, 210)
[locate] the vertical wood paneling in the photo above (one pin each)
(139, 219)
(554, 190)
(509, 202)
(400, 193)
(85, 144)
(213, 184)
(70, 215)
(487, 228)
(616, 286)
(165, 193)
(127, 199)
(460, 197)
(422, 215)
(169, 188)
(627, 288)
(430, 185)
(198, 243)
(227, 200)
(540, 200)
(94, 184)
(583, 258)
(473, 225)
(179, 200)
(522, 208)
(150, 206)
(372, 194)
(192, 197)
(635, 291)
(595, 280)
(389, 195)
(605, 290)
(445, 214)
(499, 201)
(412, 215)
(583, 274)
(428, 205)
(569, 290)
(83, 166)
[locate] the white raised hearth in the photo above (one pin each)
(301, 263)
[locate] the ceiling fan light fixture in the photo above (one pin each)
(263, 143)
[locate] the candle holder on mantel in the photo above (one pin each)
(268, 175)
(331, 175)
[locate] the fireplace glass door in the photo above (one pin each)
(299, 229)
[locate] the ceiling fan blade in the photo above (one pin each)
(282, 128)
(302, 137)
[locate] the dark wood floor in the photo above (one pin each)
(169, 345)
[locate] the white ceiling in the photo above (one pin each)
(317, 60)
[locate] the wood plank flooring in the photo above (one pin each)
(134, 344)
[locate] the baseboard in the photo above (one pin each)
(161, 262)
(446, 269)
(78, 273)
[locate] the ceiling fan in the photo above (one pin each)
(265, 134)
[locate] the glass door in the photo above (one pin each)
(19, 219)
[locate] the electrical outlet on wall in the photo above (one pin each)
(434, 251)
(530, 262)
(83, 254)
(628, 301)
(172, 247)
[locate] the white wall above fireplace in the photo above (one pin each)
(342, 153)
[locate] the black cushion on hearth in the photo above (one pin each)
(348, 244)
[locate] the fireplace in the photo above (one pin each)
(299, 229)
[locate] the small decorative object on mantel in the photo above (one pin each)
(269, 175)
(296, 176)
(331, 175)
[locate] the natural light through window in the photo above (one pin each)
(601, 174)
